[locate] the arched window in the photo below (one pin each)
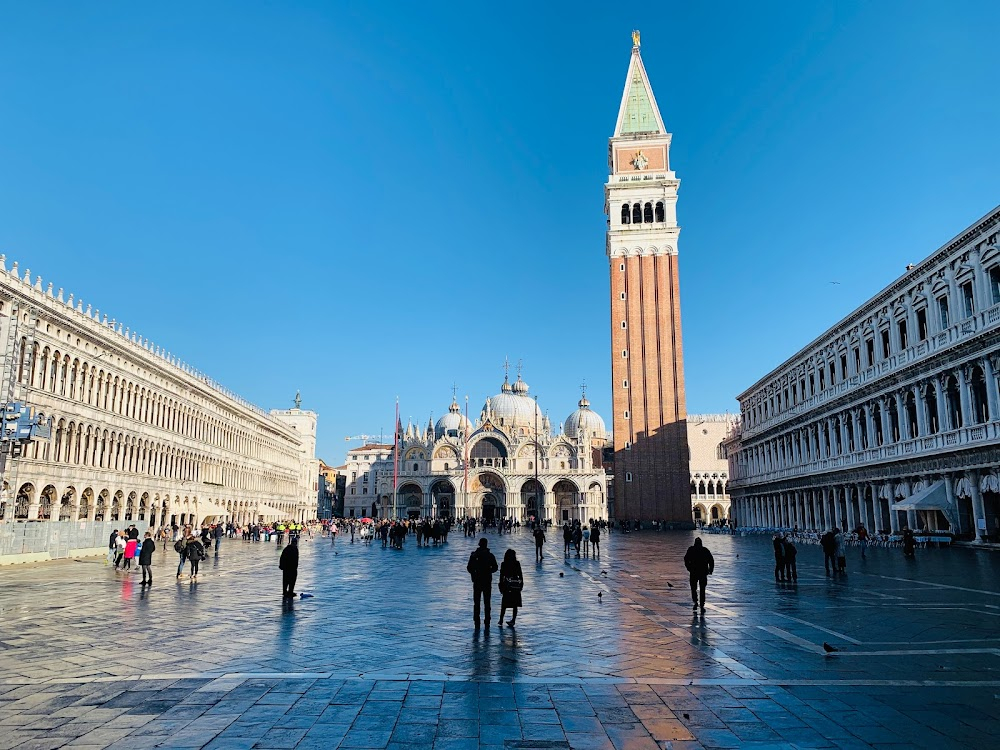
(647, 213)
(953, 402)
(625, 214)
(659, 211)
(637, 214)
(980, 404)
(894, 428)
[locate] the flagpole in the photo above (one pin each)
(466, 452)
(395, 457)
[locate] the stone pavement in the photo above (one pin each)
(385, 655)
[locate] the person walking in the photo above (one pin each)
(788, 553)
(779, 558)
(511, 582)
(539, 541)
(180, 547)
(577, 538)
(863, 540)
(220, 531)
(120, 541)
(146, 559)
(829, 545)
(595, 539)
(586, 541)
(288, 563)
(700, 565)
(482, 565)
(567, 539)
(838, 539)
(130, 552)
(195, 552)
(113, 546)
(908, 542)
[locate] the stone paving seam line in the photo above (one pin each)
(792, 638)
(923, 652)
(934, 585)
(834, 633)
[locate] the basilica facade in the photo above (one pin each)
(507, 464)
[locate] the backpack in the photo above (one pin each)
(179, 545)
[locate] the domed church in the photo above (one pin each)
(510, 464)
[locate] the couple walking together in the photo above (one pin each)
(482, 565)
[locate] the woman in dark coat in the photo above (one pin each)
(511, 582)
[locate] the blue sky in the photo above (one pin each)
(366, 200)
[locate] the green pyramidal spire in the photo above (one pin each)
(638, 113)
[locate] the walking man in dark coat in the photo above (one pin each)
(539, 541)
(779, 557)
(482, 565)
(700, 564)
(288, 563)
(146, 559)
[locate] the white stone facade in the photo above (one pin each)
(136, 434)
(709, 466)
(488, 469)
(892, 417)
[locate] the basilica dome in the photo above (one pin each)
(513, 407)
(451, 423)
(585, 418)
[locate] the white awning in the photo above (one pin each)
(934, 497)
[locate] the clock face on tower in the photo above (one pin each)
(639, 161)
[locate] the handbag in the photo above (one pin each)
(514, 583)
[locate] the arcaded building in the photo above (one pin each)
(891, 418)
(707, 434)
(133, 434)
(647, 368)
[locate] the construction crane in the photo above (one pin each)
(364, 438)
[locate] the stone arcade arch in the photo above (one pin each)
(443, 498)
(492, 496)
(532, 498)
(67, 511)
(46, 500)
(410, 498)
(566, 496)
(25, 496)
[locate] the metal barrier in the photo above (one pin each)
(54, 538)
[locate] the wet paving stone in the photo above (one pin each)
(385, 655)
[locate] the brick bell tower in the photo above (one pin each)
(652, 478)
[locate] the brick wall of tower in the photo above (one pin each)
(654, 399)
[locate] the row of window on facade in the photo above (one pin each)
(84, 445)
(949, 402)
(642, 213)
(892, 337)
(55, 373)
